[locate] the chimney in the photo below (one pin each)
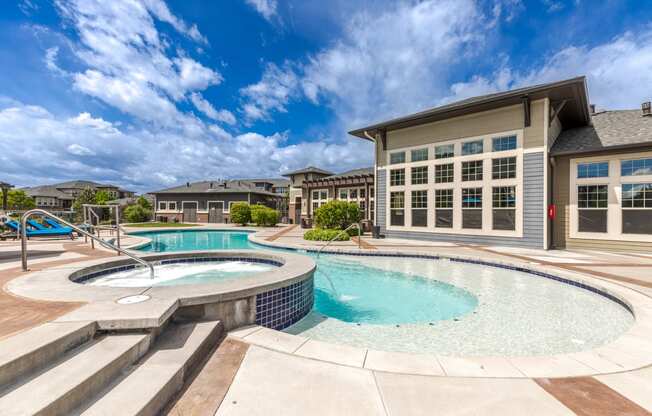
(592, 107)
(646, 108)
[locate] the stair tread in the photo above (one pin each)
(37, 393)
(165, 366)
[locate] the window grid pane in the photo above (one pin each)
(636, 167)
(472, 198)
(419, 199)
(503, 168)
(419, 154)
(472, 148)
(397, 200)
(593, 170)
(504, 197)
(637, 195)
(472, 171)
(398, 157)
(592, 197)
(500, 144)
(444, 151)
(444, 173)
(397, 177)
(443, 198)
(419, 175)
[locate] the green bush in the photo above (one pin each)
(240, 213)
(136, 213)
(264, 216)
(320, 234)
(337, 214)
(18, 199)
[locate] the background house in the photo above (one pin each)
(60, 196)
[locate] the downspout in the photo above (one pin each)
(373, 223)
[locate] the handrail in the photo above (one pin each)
(23, 238)
(355, 224)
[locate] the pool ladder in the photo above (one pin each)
(23, 239)
(355, 224)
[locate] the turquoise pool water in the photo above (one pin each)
(435, 306)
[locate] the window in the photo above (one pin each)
(504, 204)
(398, 157)
(636, 167)
(472, 208)
(419, 208)
(419, 154)
(343, 194)
(162, 206)
(444, 151)
(500, 144)
(372, 192)
(472, 171)
(592, 203)
(323, 195)
(397, 177)
(472, 148)
(419, 175)
(353, 194)
(315, 194)
(315, 205)
(397, 206)
(444, 173)
(637, 215)
(362, 192)
(472, 198)
(444, 208)
(503, 168)
(172, 206)
(593, 170)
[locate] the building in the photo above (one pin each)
(210, 201)
(297, 204)
(532, 167)
(60, 196)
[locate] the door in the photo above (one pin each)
(216, 212)
(189, 211)
(297, 210)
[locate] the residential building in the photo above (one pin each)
(211, 201)
(531, 167)
(297, 204)
(60, 196)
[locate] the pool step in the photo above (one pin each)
(23, 354)
(150, 385)
(78, 375)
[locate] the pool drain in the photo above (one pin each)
(128, 300)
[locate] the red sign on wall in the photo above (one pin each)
(552, 211)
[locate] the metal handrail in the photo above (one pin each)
(355, 224)
(23, 238)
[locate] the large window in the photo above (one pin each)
(444, 208)
(344, 194)
(417, 155)
(397, 157)
(397, 177)
(637, 208)
(172, 206)
(323, 194)
(500, 144)
(503, 168)
(472, 208)
(315, 194)
(636, 167)
(592, 204)
(353, 194)
(162, 206)
(472, 171)
(419, 208)
(593, 170)
(444, 173)
(504, 208)
(397, 208)
(472, 148)
(419, 175)
(444, 151)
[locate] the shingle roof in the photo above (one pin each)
(216, 187)
(309, 169)
(81, 184)
(610, 129)
(47, 191)
(354, 172)
(273, 181)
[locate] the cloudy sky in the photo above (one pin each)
(147, 94)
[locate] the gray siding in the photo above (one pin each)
(533, 211)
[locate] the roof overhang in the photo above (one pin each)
(573, 91)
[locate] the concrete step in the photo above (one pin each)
(156, 379)
(85, 372)
(27, 352)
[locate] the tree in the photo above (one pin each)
(137, 213)
(337, 214)
(86, 196)
(19, 200)
(240, 213)
(102, 197)
(143, 202)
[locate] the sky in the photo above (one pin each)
(147, 94)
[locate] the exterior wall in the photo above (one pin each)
(203, 200)
(473, 125)
(564, 200)
(333, 192)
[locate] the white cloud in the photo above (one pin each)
(51, 55)
(162, 12)
(79, 150)
(267, 8)
(207, 108)
(271, 93)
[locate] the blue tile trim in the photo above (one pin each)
(282, 307)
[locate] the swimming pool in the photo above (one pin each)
(438, 306)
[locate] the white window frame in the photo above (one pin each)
(162, 206)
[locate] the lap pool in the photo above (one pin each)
(437, 306)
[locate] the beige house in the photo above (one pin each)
(517, 168)
(298, 204)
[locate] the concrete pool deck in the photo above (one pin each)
(295, 378)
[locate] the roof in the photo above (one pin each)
(352, 173)
(50, 191)
(309, 169)
(80, 184)
(274, 181)
(609, 130)
(131, 200)
(216, 187)
(573, 91)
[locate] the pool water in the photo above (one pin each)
(436, 306)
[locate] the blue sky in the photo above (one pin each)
(148, 93)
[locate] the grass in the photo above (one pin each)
(159, 224)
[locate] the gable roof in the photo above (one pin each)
(573, 91)
(309, 169)
(216, 187)
(609, 130)
(49, 191)
(353, 173)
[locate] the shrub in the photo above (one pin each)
(240, 213)
(337, 215)
(264, 216)
(136, 213)
(143, 202)
(320, 234)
